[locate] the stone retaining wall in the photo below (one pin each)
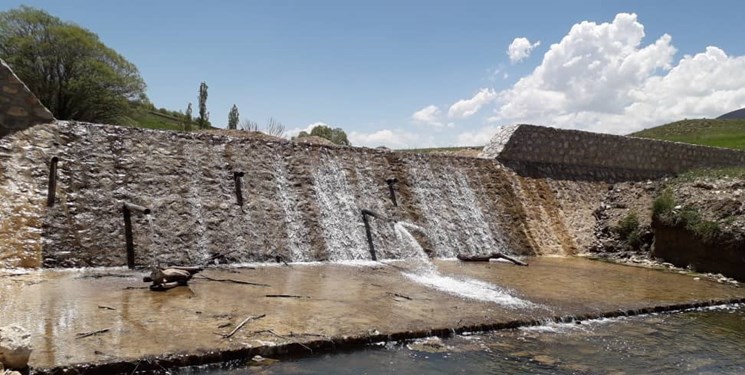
(19, 108)
(544, 151)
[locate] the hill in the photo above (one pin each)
(153, 119)
(736, 114)
(707, 132)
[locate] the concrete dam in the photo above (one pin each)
(80, 201)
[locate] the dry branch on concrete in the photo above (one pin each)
(486, 258)
(243, 323)
(399, 295)
(284, 296)
(87, 334)
(232, 281)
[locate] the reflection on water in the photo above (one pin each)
(709, 341)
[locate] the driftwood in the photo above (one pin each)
(171, 277)
(82, 335)
(233, 281)
(485, 258)
(284, 296)
(243, 323)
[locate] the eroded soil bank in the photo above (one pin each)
(321, 306)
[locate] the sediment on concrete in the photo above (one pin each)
(162, 363)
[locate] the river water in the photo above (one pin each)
(702, 341)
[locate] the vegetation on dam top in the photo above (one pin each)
(727, 133)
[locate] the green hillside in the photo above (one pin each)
(145, 118)
(707, 132)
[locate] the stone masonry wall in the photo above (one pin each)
(542, 150)
(19, 108)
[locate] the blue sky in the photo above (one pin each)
(431, 73)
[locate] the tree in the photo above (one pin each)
(275, 128)
(69, 69)
(336, 135)
(233, 118)
(203, 115)
(249, 126)
(188, 117)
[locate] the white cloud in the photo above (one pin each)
(600, 77)
(468, 107)
(520, 49)
(295, 131)
(479, 137)
(394, 139)
(429, 115)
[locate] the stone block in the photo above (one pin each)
(15, 346)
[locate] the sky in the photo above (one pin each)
(414, 74)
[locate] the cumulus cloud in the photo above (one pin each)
(468, 107)
(429, 115)
(394, 139)
(479, 137)
(295, 131)
(600, 77)
(520, 49)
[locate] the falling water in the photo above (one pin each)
(296, 229)
(454, 217)
(425, 272)
(339, 213)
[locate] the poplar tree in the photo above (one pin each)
(233, 118)
(203, 116)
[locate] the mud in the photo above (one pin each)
(335, 305)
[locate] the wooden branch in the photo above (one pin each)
(232, 281)
(485, 258)
(243, 323)
(285, 296)
(399, 295)
(82, 335)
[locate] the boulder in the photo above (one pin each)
(15, 346)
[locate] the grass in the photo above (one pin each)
(664, 209)
(144, 118)
(715, 173)
(628, 229)
(706, 132)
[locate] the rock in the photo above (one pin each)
(15, 346)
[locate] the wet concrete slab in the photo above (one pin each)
(308, 304)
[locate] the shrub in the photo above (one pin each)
(628, 229)
(627, 225)
(663, 205)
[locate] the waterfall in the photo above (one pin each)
(454, 218)
(298, 237)
(425, 272)
(340, 216)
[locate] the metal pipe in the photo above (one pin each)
(52, 181)
(238, 187)
(134, 207)
(391, 181)
(365, 213)
(127, 208)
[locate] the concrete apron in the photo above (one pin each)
(108, 321)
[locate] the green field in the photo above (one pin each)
(707, 132)
(145, 118)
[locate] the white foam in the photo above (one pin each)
(469, 288)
